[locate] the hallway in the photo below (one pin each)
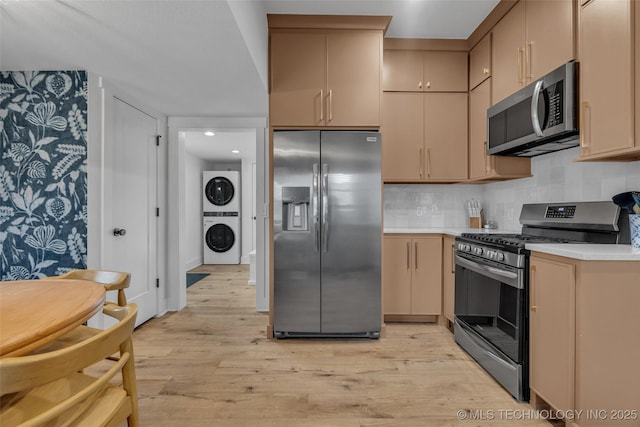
(211, 364)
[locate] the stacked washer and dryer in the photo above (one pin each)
(221, 217)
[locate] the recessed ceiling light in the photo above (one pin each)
(235, 151)
(209, 133)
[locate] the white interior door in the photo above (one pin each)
(130, 204)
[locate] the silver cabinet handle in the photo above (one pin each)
(520, 70)
(527, 60)
(325, 207)
(506, 277)
(535, 120)
(408, 257)
(314, 208)
(321, 105)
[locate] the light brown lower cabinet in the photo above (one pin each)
(584, 339)
(412, 275)
(448, 277)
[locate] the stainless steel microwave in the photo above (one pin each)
(538, 119)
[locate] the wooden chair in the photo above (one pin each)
(49, 389)
(112, 280)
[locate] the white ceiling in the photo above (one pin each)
(192, 57)
(220, 146)
(420, 19)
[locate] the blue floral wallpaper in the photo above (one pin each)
(43, 173)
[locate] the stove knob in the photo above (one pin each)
(500, 256)
(491, 254)
(467, 248)
(477, 251)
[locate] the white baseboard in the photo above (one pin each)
(244, 259)
(194, 263)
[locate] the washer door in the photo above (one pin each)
(219, 191)
(220, 238)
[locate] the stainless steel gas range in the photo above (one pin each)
(492, 282)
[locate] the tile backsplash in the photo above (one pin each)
(556, 178)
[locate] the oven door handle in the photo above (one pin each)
(506, 277)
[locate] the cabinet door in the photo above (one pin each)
(606, 76)
(298, 64)
(508, 53)
(402, 136)
(448, 277)
(480, 62)
(479, 102)
(402, 71)
(549, 36)
(426, 283)
(445, 130)
(396, 275)
(354, 78)
(445, 71)
(552, 332)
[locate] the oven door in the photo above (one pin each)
(490, 299)
(490, 320)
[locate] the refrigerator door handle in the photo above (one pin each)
(325, 207)
(314, 207)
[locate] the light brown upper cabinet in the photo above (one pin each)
(445, 136)
(480, 62)
(481, 165)
(402, 136)
(424, 137)
(424, 71)
(532, 39)
(608, 104)
(325, 78)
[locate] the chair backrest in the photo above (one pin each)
(112, 280)
(23, 373)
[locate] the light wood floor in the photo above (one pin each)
(212, 365)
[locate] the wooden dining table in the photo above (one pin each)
(36, 312)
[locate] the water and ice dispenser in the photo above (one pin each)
(295, 208)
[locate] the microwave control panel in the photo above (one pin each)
(554, 95)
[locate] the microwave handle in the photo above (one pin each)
(535, 121)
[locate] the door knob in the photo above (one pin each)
(119, 231)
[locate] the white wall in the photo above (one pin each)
(248, 200)
(556, 178)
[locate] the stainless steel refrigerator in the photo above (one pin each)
(327, 233)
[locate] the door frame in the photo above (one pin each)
(176, 291)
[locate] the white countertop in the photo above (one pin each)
(444, 230)
(587, 252)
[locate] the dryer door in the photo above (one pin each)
(220, 238)
(219, 191)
